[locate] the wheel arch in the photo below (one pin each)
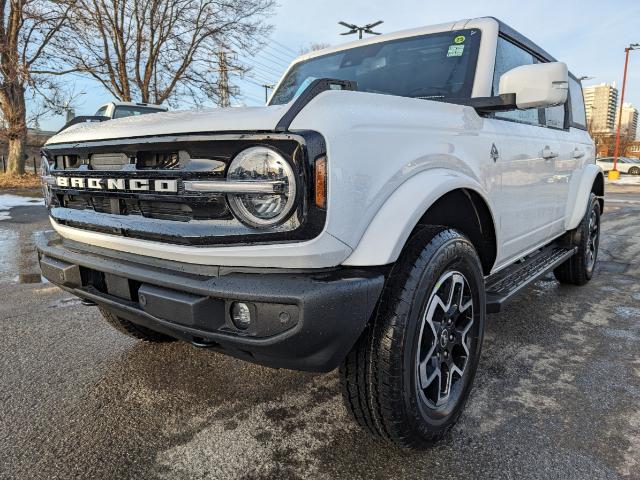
(465, 210)
(598, 189)
(437, 197)
(591, 181)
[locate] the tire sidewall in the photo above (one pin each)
(584, 237)
(455, 254)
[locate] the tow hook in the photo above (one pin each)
(202, 343)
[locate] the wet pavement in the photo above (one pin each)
(557, 393)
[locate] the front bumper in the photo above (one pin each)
(301, 319)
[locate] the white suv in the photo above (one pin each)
(394, 191)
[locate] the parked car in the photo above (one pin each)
(127, 109)
(394, 191)
(625, 165)
(113, 110)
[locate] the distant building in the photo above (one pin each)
(629, 121)
(633, 150)
(601, 102)
(35, 140)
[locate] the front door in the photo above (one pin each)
(528, 199)
(531, 164)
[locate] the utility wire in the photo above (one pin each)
(276, 60)
(240, 48)
(269, 66)
(284, 47)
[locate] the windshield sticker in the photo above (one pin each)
(455, 50)
(459, 39)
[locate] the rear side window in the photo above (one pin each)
(101, 111)
(576, 98)
(509, 56)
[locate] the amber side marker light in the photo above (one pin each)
(321, 182)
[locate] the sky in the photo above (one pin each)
(590, 36)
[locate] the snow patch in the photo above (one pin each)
(625, 180)
(8, 201)
(627, 312)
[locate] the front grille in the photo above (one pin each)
(134, 187)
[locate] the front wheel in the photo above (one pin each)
(634, 171)
(410, 374)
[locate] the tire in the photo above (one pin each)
(132, 330)
(634, 171)
(383, 376)
(578, 270)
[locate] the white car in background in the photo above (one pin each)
(625, 165)
(127, 109)
(114, 110)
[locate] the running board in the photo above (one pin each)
(502, 286)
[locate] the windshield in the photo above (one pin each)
(439, 65)
(129, 111)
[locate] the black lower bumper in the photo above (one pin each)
(301, 320)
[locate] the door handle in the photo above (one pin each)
(577, 153)
(548, 154)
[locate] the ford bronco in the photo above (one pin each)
(393, 192)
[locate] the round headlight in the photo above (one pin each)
(262, 166)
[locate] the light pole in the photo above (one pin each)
(267, 87)
(589, 127)
(359, 30)
(615, 174)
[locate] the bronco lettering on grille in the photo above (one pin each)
(135, 184)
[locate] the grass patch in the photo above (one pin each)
(28, 180)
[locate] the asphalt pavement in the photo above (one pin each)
(557, 394)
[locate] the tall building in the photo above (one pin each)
(601, 102)
(629, 121)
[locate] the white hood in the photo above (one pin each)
(180, 122)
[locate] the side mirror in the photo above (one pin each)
(537, 86)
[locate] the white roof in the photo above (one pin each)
(413, 32)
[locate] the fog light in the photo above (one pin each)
(240, 315)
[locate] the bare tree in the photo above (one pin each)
(27, 28)
(161, 50)
(314, 47)
(606, 142)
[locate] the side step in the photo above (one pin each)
(502, 286)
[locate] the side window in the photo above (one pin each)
(101, 111)
(554, 116)
(510, 56)
(578, 116)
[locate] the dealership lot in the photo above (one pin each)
(557, 394)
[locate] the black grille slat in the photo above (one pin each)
(108, 161)
(183, 209)
(166, 211)
(157, 160)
